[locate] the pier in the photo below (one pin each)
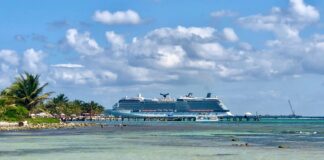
(110, 118)
(239, 118)
(236, 118)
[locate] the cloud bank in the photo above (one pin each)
(118, 17)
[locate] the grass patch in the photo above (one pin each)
(10, 119)
(42, 120)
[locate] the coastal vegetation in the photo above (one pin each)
(41, 120)
(26, 99)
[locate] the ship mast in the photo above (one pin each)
(291, 108)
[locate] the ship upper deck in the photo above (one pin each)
(188, 97)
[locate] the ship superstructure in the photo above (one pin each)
(184, 106)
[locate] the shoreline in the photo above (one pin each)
(46, 126)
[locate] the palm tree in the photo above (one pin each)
(61, 98)
(2, 106)
(58, 104)
(26, 91)
(75, 107)
(92, 108)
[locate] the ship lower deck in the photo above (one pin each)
(128, 113)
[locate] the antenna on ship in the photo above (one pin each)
(291, 108)
(164, 95)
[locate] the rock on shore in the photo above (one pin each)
(44, 126)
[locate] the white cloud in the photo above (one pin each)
(7, 74)
(68, 65)
(272, 43)
(304, 12)
(119, 17)
(183, 33)
(145, 75)
(259, 22)
(286, 24)
(143, 46)
(311, 55)
(75, 76)
(33, 61)
(270, 93)
(223, 13)
(9, 56)
(83, 76)
(245, 46)
(115, 39)
(210, 51)
(230, 35)
(117, 42)
(139, 73)
(187, 50)
(273, 23)
(5, 80)
(319, 46)
(4, 67)
(82, 43)
(170, 56)
(165, 48)
(108, 75)
(201, 64)
(229, 73)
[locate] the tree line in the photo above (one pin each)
(26, 96)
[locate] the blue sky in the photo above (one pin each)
(254, 55)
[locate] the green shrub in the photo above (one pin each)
(15, 113)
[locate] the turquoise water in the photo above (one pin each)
(303, 139)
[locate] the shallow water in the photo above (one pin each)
(303, 139)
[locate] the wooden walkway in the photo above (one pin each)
(193, 118)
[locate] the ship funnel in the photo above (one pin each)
(164, 95)
(189, 95)
(208, 95)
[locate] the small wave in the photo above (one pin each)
(299, 132)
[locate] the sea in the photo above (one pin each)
(299, 139)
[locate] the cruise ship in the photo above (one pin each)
(201, 108)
